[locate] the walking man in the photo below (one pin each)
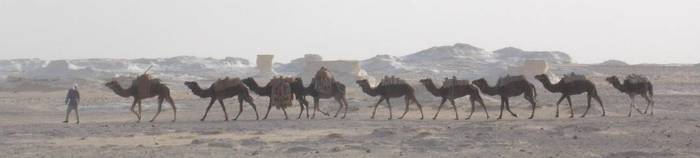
(72, 100)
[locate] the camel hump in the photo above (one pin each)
(636, 78)
(455, 82)
(510, 79)
(388, 81)
(225, 83)
(144, 83)
(281, 92)
(568, 78)
(323, 81)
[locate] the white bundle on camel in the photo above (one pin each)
(323, 81)
(223, 84)
(282, 95)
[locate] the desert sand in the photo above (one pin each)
(30, 123)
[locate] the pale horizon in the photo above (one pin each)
(660, 32)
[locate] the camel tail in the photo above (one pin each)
(534, 91)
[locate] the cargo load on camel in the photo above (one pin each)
(568, 78)
(323, 81)
(387, 81)
(281, 96)
(508, 79)
(455, 82)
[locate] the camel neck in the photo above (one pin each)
(549, 86)
(200, 92)
(121, 91)
(430, 86)
(368, 89)
(617, 85)
(488, 89)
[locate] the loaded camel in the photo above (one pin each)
(572, 84)
(144, 87)
(509, 86)
(296, 86)
(324, 86)
(635, 85)
(391, 88)
(453, 89)
(218, 91)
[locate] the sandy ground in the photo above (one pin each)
(30, 124)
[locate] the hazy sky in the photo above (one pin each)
(637, 31)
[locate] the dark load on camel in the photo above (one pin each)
(388, 81)
(455, 82)
(282, 95)
(568, 78)
(323, 81)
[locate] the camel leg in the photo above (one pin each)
(133, 105)
(313, 115)
(389, 103)
(408, 102)
(375, 107)
(508, 108)
(503, 104)
(559, 102)
(472, 101)
(337, 99)
(140, 114)
(588, 107)
(284, 110)
(439, 108)
(240, 107)
(634, 105)
(531, 99)
(597, 98)
(160, 107)
(420, 107)
(223, 107)
(250, 101)
(268, 110)
(301, 110)
(172, 105)
(455, 109)
(646, 97)
(571, 106)
(481, 101)
(629, 114)
(345, 101)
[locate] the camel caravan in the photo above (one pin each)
(282, 91)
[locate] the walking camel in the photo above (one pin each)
(391, 88)
(227, 92)
(572, 84)
(507, 87)
(635, 85)
(454, 89)
(147, 88)
(324, 86)
(297, 88)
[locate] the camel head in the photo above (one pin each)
(112, 84)
(542, 77)
(480, 81)
(613, 79)
(426, 81)
(191, 84)
(363, 81)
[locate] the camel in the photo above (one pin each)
(239, 90)
(156, 89)
(632, 86)
(454, 91)
(572, 85)
(387, 90)
(509, 86)
(296, 86)
(323, 86)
